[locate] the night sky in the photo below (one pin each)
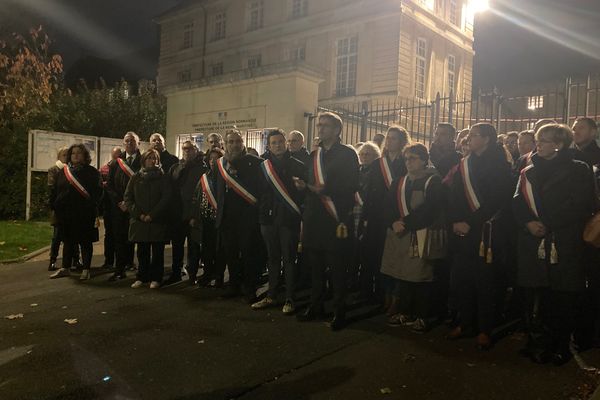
(508, 52)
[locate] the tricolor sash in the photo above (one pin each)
(384, 165)
(234, 183)
(208, 191)
(75, 183)
(402, 198)
(320, 180)
(527, 191)
(358, 199)
(126, 169)
(278, 186)
(470, 192)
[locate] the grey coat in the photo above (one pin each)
(148, 193)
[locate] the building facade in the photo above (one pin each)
(266, 63)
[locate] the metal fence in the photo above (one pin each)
(563, 103)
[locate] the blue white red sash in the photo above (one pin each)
(277, 184)
(402, 198)
(470, 193)
(358, 199)
(320, 180)
(208, 191)
(386, 172)
(527, 191)
(234, 183)
(128, 171)
(75, 183)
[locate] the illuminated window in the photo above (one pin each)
(421, 68)
(451, 74)
(299, 8)
(254, 61)
(429, 4)
(188, 35)
(346, 62)
(219, 26)
(535, 102)
(256, 13)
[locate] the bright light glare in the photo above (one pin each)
(477, 6)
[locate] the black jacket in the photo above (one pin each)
(565, 193)
(272, 208)
(302, 155)
(376, 189)
(444, 159)
(184, 179)
(75, 213)
(234, 212)
(118, 180)
(167, 160)
(341, 183)
(493, 182)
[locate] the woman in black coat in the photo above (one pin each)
(74, 199)
(554, 199)
(147, 198)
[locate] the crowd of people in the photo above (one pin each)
(476, 230)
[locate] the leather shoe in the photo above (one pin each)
(484, 342)
(338, 322)
(310, 313)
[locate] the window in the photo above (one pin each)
(451, 74)
(255, 14)
(299, 8)
(421, 68)
(535, 102)
(219, 26)
(185, 75)
(188, 35)
(216, 69)
(298, 54)
(346, 61)
(254, 61)
(453, 12)
(429, 4)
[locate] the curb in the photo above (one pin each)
(26, 257)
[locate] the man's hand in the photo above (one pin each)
(461, 228)
(299, 183)
(316, 188)
(536, 228)
(398, 227)
(122, 206)
(192, 222)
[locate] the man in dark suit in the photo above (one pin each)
(330, 190)
(239, 180)
(118, 177)
(167, 160)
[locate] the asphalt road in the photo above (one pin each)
(186, 343)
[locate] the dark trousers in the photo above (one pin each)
(561, 311)
(109, 238)
(474, 286)
(282, 245)
(241, 252)
(151, 259)
(213, 256)
(337, 261)
(69, 249)
(371, 254)
(124, 249)
(181, 233)
(414, 298)
(57, 238)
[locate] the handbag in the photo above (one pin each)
(591, 233)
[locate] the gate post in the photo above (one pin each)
(363, 121)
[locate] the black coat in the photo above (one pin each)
(376, 190)
(491, 175)
(184, 179)
(302, 155)
(232, 210)
(444, 159)
(590, 154)
(167, 160)
(272, 209)
(148, 193)
(118, 180)
(566, 200)
(75, 213)
(341, 183)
